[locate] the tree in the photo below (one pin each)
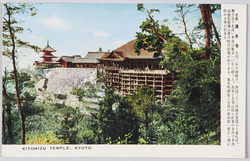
(10, 43)
(106, 117)
(151, 26)
(127, 121)
(195, 101)
(207, 20)
(117, 120)
(100, 49)
(183, 10)
(67, 131)
(6, 102)
(27, 98)
(143, 102)
(155, 37)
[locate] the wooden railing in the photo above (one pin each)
(111, 68)
(160, 71)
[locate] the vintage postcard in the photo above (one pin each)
(123, 80)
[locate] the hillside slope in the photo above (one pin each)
(64, 80)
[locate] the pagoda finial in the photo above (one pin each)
(47, 42)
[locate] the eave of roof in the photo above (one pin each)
(94, 55)
(48, 48)
(127, 51)
(66, 58)
(48, 56)
(85, 60)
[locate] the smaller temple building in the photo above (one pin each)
(47, 57)
(76, 61)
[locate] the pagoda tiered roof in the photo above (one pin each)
(48, 56)
(48, 48)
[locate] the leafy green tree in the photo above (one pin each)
(100, 49)
(195, 102)
(143, 102)
(127, 122)
(155, 37)
(208, 25)
(68, 121)
(10, 43)
(117, 120)
(6, 105)
(106, 116)
(9, 101)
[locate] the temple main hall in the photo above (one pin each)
(125, 70)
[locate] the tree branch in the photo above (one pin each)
(215, 30)
(156, 33)
(5, 19)
(160, 36)
(184, 23)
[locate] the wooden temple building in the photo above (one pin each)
(125, 70)
(47, 57)
(75, 61)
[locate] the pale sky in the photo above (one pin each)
(75, 29)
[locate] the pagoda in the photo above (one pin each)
(48, 56)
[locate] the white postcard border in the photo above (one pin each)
(187, 151)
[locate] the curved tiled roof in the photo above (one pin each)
(48, 48)
(85, 60)
(94, 55)
(67, 58)
(73, 59)
(48, 56)
(127, 51)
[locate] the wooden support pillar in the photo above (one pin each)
(137, 79)
(112, 79)
(154, 82)
(106, 79)
(123, 85)
(162, 88)
(118, 81)
(129, 83)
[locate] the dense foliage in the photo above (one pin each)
(195, 100)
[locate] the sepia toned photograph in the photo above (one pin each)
(95, 73)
